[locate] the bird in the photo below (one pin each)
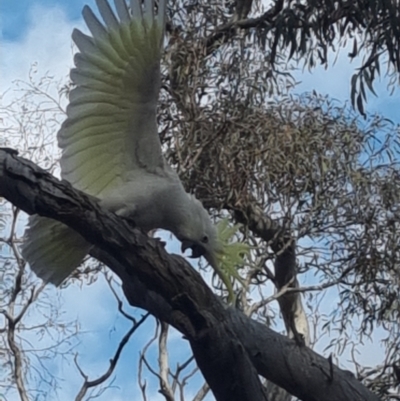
(110, 147)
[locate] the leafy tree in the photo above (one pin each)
(315, 187)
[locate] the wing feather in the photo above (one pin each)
(107, 14)
(135, 7)
(91, 62)
(122, 10)
(161, 16)
(84, 42)
(53, 250)
(148, 12)
(82, 95)
(111, 127)
(95, 27)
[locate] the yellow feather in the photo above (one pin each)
(232, 255)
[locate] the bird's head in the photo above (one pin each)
(214, 243)
(199, 234)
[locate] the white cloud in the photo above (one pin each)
(47, 43)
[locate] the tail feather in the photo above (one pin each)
(53, 250)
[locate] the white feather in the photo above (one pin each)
(53, 250)
(122, 10)
(107, 14)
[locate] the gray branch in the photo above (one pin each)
(284, 247)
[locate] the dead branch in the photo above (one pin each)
(87, 384)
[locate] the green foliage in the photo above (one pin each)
(232, 256)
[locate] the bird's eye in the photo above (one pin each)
(204, 239)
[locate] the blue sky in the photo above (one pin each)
(19, 18)
(39, 31)
(16, 15)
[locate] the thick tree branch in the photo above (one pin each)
(198, 313)
(229, 348)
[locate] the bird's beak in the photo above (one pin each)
(185, 245)
(212, 260)
(197, 249)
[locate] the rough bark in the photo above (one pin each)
(230, 349)
(290, 304)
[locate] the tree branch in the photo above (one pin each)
(87, 384)
(230, 349)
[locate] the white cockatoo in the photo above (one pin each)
(110, 144)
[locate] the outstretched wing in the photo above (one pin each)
(111, 126)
